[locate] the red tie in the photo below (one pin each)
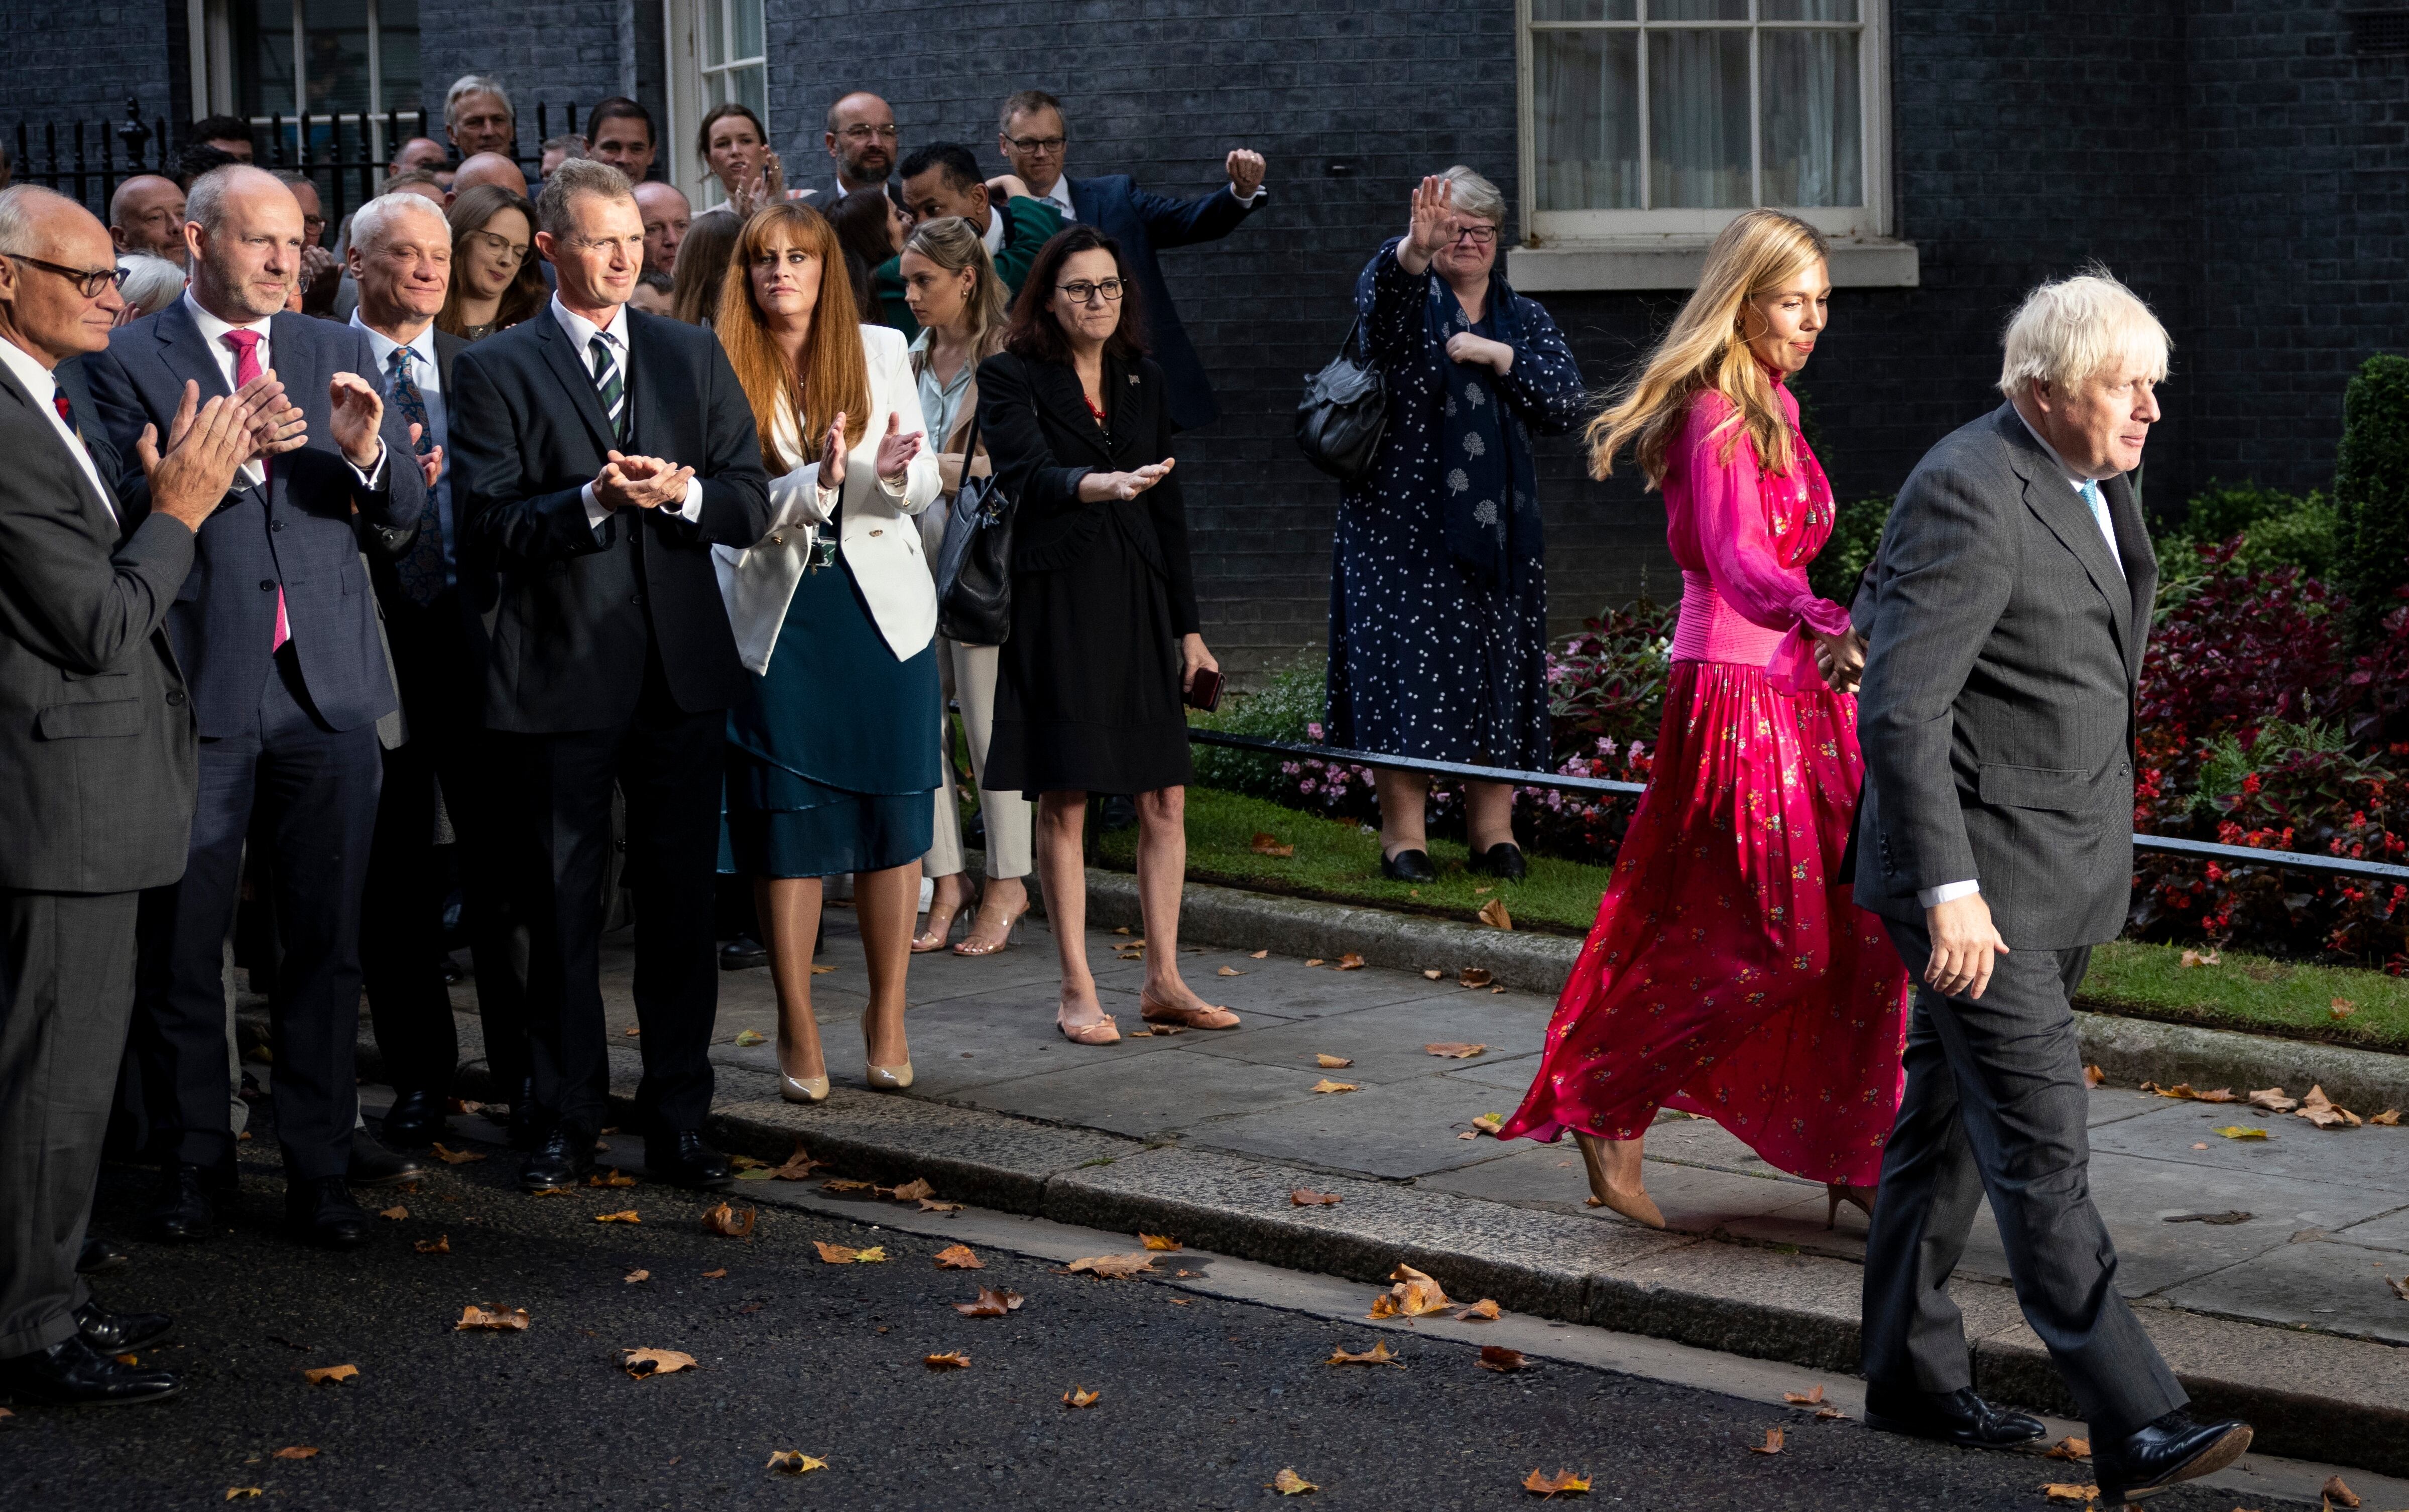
(66, 410)
(246, 368)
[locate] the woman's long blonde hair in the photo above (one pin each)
(835, 375)
(1708, 348)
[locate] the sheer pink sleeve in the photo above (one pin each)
(1734, 537)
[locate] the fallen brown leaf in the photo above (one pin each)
(634, 1276)
(1288, 1483)
(2067, 1491)
(990, 1303)
(846, 1254)
(1229, 970)
(1330, 1062)
(2389, 1117)
(439, 1245)
(631, 1031)
(747, 1038)
(496, 1319)
(1159, 1242)
(822, 970)
(240, 1493)
(612, 1179)
(1453, 1050)
(1474, 977)
(1079, 1396)
(643, 1363)
(731, 1222)
(1492, 913)
(2244, 1131)
(793, 1462)
(2199, 958)
(960, 1258)
(1772, 1444)
(1828, 1412)
(928, 1206)
(2339, 1494)
(296, 1451)
(1351, 962)
(841, 1185)
(950, 1359)
(1258, 954)
(1307, 1197)
(1434, 973)
(1415, 1294)
(1483, 1311)
(1268, 844)
(1811, 1397)
(1564, 1482)
(798, 1166)
(1112, 1267)
(2273, 1099)
(456, 1157)
(2093, 1076)
(1326, 1085)
(2342, 1008)
(627, 1216)
(911, 1191)
(2070, 1447)
(394, 1213)
(329, 1374)
(1378, 1354)
(714, 1275)
(1498, 1358)
(549, 1192)
(2317, 1109)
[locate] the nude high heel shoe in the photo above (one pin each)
(1837, 1193)
(1614, 1179)
(882, 1078)
(799, 1088)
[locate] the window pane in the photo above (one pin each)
(1813, 132)
(714, 33)
(262, 54)
(1697, 9)
(747, 16)
(1585, 90)
(1697, 120)
(1584, 9)
(752, 87)
(399, 53)
(335, 64)
(1810, 10)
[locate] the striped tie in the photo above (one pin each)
(607, 382)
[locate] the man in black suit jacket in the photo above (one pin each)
(276, 628)
(97, 779)
(600, 452)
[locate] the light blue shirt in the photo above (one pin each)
(940, 402)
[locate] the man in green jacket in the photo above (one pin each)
(942, 178)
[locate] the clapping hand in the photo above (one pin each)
(430, 462)
(206, 443)
(358, 411)
(639, 483)
(1246, 173)
(277, 427)
(896, 450)
(1097, 487)
(832, 454)
(767, 187)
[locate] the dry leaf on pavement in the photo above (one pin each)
(2399, 1288)
(714, 1275)
(240, 1493)
(731, 1222)
(1079, 1396)
(2070, 1448)
(2244, 1131)
(928, 1205)
(643, 1363)
(296, 1451)
(747, 1038)
(634, 1276)
(2319, 1110)
(1314, 961)
(1811, 1397)
(1112, 1266)
(329, 1374)
(1492, 913)
(1416, 1294)
(1562, 1483)
(1288, 1483)
(1475, 976)
(1498, 1358)
(793, 1462)
(612, 1179)
(1377, 1355)
(950, 1359)
(1483, 1311)
(2273, 1099)
(439, 1245)
(2069, 1492)
(2389, 1117)
(2339, 1494)
(1326, 1085)
(842, 1185)
(846, 1254)
(1433, 973)
(1159, 1242)
(960, 1258)
(456, 1157)
(1307, 1197)
(1330, 1062)
(1268, 844)
(1453, 1050)
(1828, 1412)
(2093, 1076)
(1772, 1444)
(1229, 970)
(627, 1216)
(990, 1303)
(798, 1166)
(1351, 962)
(911, 1191)
(498, 1320)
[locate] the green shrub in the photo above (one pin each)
(2279, 530)
(1857, 533)
(2371, 489)
(1288, 707)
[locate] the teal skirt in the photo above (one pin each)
(832, 761)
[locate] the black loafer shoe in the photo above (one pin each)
(560, 1159)
(683, 1159)
(113, 1333)
(2169, 1450)
(322, 1213)
(1408, 865)
(184, 1213)
(742, 953)
(72, 1373)
(413, 1122)
(373, 1165)
(1503, 859)
(101, 1254)
(1956, 1417)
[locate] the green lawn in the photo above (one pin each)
(1341, 862)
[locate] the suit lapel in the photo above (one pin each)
(2049, 496)
(103, 509)
(570, 367)
(1061, 385)
(1083, 200)
(647, 424)
(186, 351)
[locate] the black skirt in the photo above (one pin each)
(1086, 695)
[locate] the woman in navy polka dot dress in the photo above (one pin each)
(1438, 596)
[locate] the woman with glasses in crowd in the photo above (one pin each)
(830, 769)
(960, 304)
(495, 282)
(1105, 630)
(1438, 595)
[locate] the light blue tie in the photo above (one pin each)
(2099, 503)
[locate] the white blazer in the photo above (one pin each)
(876, 536)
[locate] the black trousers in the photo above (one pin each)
(1996, 1104)
(401, 935)
(669, 765)
(312, 794)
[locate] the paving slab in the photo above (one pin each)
(1181, 1092)
(2185, 1133)
(2389, 1232)
(1386, 1042)
(1397, 1131)
(2313, 1282)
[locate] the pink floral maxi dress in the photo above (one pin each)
(1728, 974)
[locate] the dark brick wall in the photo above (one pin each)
(558, 52)
(70, 64)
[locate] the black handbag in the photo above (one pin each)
(974, 564)
(1344, 412)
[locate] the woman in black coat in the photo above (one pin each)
(1104, 638)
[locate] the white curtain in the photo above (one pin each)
(1697, 121)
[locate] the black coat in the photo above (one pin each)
(566, 608)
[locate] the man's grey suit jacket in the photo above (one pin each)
(1996, 709)
(98, 745)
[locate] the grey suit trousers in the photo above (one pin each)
(67, 993)
(1995, 1103)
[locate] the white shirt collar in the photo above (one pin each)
(2073, 479)
(39, 381)
(213, 330)
(422, 350)
(1059, 197)
(580, 330)
(993, 236)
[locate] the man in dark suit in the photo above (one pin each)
(600, 453)
(400, 258)
(2009, 606)
(96, 777)
(276, 628)
(1033, 138)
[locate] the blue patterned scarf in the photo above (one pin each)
(1490, 485)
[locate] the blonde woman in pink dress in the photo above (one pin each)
(1730, 973)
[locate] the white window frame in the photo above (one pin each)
(1663, 249)
(690, 92)
(210, 32)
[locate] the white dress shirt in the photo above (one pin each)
(254, 473)
(1059, 197)
(42, 387)
(581, 334)
(993, 235)
(429, 379)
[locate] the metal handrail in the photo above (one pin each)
(2164, 844)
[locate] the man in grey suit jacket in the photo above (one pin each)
(97, 779)
(2009, 602)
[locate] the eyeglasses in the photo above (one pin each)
(88, 281)
(1479, 235)
(510, 252)
(1037, 146)
(1084, 292)
(864, 134)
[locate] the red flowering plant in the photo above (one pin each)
(1605, 694)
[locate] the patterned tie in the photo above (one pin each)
(246, 368)
(607, 382)
(420, 571)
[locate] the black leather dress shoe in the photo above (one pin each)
(113, 1333)
(1956, 1417)
(101, 1254)
(322, 1212)
(1408, 865)
(183, 1213)
(742, 953)
(413, 1122)
(2171, 1450)
(373, 1165)
(560, 1159)
(683, 1159)
(1503, 859)
(73, 1374)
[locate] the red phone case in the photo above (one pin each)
(1205, 690)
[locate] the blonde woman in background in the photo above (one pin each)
(959, 301)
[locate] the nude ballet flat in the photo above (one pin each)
(1102, 1031)
(1632, 1201)
(1155, 1011)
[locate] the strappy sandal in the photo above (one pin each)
(1155, 1011)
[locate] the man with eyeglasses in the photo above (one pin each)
(862, 139)
(96, 776)
(1033, 138)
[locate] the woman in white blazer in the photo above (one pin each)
(829, 766)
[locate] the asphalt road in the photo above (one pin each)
(1203, 1399)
